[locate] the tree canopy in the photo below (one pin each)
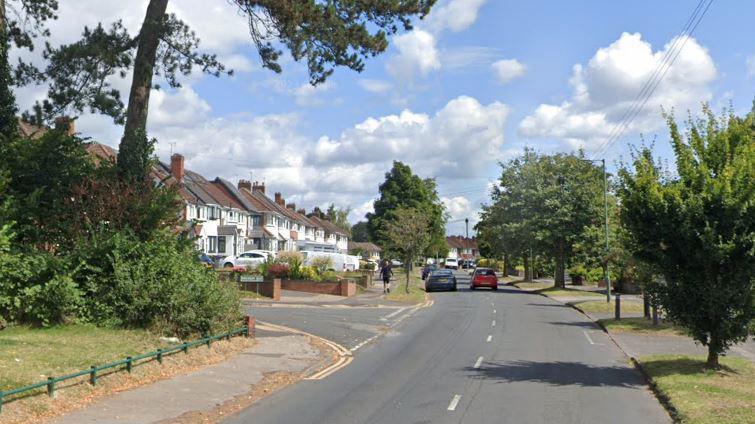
(403, 189)
(697, 227)
(407, 235)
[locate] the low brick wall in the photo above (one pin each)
(343, 288)
(271, 289)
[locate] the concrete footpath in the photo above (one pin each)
(208, 388)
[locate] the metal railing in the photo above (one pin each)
(126, 363)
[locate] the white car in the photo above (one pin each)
(451, 263)
(247, 259)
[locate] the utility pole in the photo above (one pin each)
(466, 224)
(605, 209)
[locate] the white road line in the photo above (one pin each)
(360, 345)
(588, 337)
(493, 324)
(478, 363)
(392, 314)
(494, 311)
(454, 403)
(490, 337)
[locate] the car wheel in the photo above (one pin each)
(228, 265)
(471, 287)
(454, 287)
(495, 288)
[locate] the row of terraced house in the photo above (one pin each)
(226, 219)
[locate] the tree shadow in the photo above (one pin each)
(662, 367)
(581, 324)
(559, 374)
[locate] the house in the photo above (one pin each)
(368, 251)
(276, 225)
(462, 248)
(335, 239)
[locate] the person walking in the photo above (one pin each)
(386, 272)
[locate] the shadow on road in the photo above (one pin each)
(558, 374)
(581, 324)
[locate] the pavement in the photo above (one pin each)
(474, 356)
(205, 389)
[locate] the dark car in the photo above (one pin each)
(442, 279)
(206, 261)
(428, 269)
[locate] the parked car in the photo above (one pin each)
(451, 263)
(396, 263)
(428, 269)
(484, 277)
(206, 261)
(442, 279)
(247, 259)
(340, 261)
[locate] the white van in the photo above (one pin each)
(340, 261)
(451, 263)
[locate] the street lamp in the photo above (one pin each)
(605, 212)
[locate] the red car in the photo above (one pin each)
(484, 277)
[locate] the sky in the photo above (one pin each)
(470, 86)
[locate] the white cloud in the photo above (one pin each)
(179, 107)
(308, 95)
(458, 207)
(417, 55)
(375, 86)
(506, 70)
(605, 89)
(750, 63)
(430, 143)
(456, 15)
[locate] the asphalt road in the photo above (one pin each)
(474, 357)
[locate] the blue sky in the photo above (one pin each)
(435, 99)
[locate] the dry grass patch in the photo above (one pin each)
(551, 291)
(703, 396)
(531, 286)
(641, 325)
(601, 306)
(60, 350)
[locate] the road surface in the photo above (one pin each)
(474, 357)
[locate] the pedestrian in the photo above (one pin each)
(386, 272)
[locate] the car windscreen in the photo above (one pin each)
(441, 277)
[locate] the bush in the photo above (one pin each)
(322, 264)
(309, 273)
(277, 270)
(329, 276)
(578, 270)
(595, 274)
(294, 260)
(35, 287)
(157, 283)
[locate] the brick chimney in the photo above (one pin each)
(257, 186)
(246, 184)
(177, 167)
(66, 124)
(291, 206)
(302, 212)
(279, 200)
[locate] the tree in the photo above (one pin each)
(697, 228)
(339, 217)
(360, 231)
(407, 235)
(325, 34)
(403, 189)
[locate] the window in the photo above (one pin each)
(255, 221)
(213, 244)
(221, 244)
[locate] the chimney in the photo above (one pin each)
(257, 186)
(66, 124)
(302, 212)
(279, 200)
(245, 184)
(291, 206)
(177, 167)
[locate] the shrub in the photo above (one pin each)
(329, 276)
(35, 287)
(309, 273)
(157, 283)
(595, 274)
(322, 264)
(578, 270)
(277, 270)
(294, 261)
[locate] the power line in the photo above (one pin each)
(654, 80)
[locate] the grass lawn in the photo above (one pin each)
(531, 286)
(245, 294)
(567, 292)
(640, 325)
(416, 288)
(29, 355)
(703, 396)
(603, 306)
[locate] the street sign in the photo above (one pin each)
(250, 278)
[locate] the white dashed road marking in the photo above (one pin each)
(589, 339)
(478, 363)
(490, 337)
(454, 403)
(493, 324)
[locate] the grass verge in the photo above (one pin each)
(246, 294)
(531, 286)
(416, 292)
(567, 292)
(700, 395)
(640, 325)
(601, 306)
(29, 355)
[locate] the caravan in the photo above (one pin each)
(341, 262)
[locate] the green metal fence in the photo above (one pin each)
(126, 363)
